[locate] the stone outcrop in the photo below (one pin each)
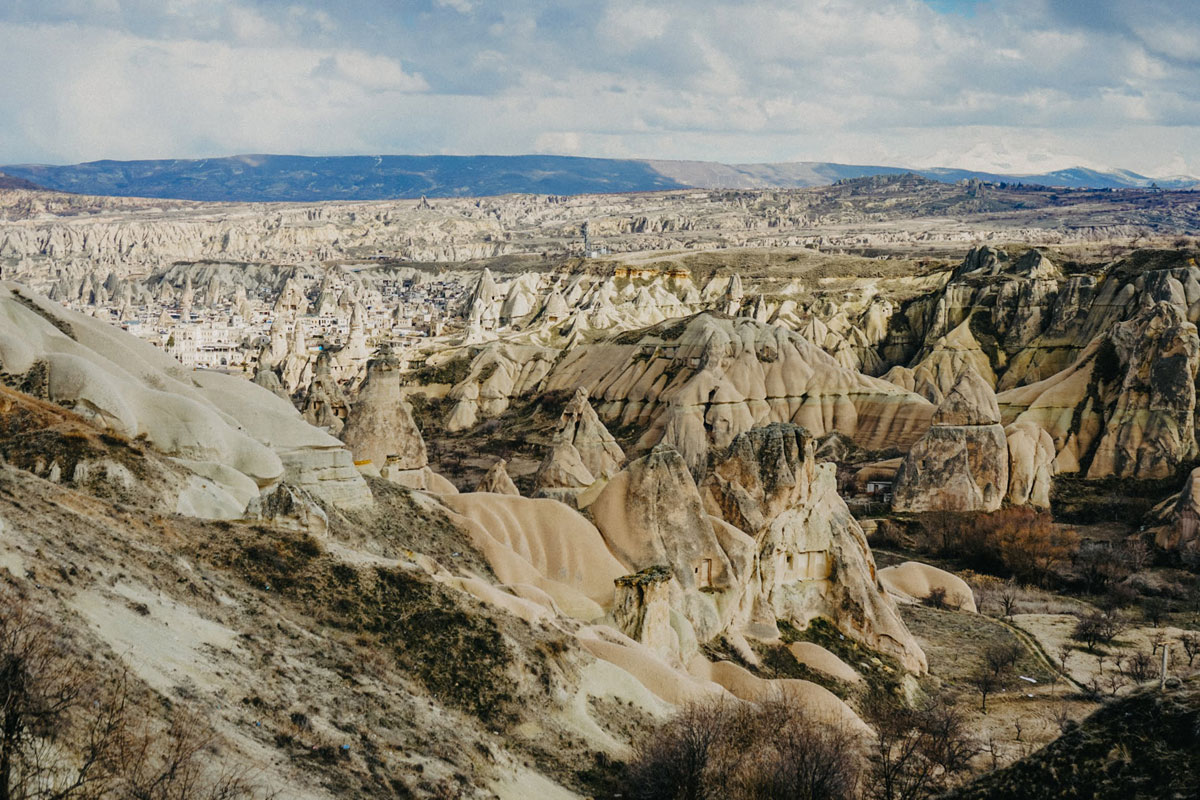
(562, 468)
(124, 384)
(651, 515)
(961, 464)
(497, 480)
(764, 537)
(811, 556)
(1181, 530)
(1126, 407)
(580, 427)
(382, 434)
(914, 582)
(325, 403)
(1030, 465)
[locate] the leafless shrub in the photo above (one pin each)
(1190, 641)
(936, 598)
(68, 730)
(918, 751)
(1139, 667)
(1097, 628)
(727, 749)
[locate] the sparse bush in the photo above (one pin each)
(917, 751)
(1097, 628)
(1154, 609)
(1190, 641)
(936, 598)
(68, 729)
(1018, 541)
(1139, 666)
(727, 749)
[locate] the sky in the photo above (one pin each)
(1016, 86)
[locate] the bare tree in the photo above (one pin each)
(985, 682)
(1008, 598)
(1139, 667)
(918, 751)
(1190, 641)
(42, 690)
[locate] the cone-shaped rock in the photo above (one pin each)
(380, 424)
(597, 448)
(497, 480)
(325, 404)
(563, 468)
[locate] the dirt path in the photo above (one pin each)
(1030, 641)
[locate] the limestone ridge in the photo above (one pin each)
(724, 376)
(961, 464)
(234, 431)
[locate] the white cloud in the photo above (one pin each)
(1023, 83)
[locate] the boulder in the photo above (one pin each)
(913, 582)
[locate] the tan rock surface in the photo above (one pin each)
(913, 581)
(961, 464)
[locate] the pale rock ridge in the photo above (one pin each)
(1030, 464)
(913, 582)
(961, 464)
(127, 385)
(651, 515)
(726, 376)
(1181, 529)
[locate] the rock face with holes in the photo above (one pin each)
(961, 464)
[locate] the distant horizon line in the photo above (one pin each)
(1001, 171)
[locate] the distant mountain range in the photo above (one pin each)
(257, 178)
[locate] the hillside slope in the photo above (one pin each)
(1143, 745)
